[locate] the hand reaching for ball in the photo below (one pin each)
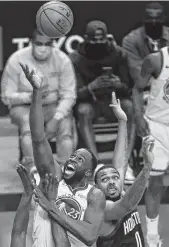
(32, 76)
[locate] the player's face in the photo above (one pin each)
(108, 180)
(42, 47)
(77, 165)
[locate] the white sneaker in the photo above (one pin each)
(129, 178)
(154, 241)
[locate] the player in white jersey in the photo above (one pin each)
(82, 207)
(155, 72)
(110, 180)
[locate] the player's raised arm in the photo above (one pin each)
(87, 230)
(42, 151)
(120, 155)
(147, 71)
(117, 210)
(19, 231)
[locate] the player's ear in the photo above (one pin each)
(88, 173)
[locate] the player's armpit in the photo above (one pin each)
(87, 230)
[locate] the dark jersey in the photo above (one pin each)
(128, 233)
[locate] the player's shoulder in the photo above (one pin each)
(153, 58)
(151, 64)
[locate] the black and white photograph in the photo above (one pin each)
(84, 123)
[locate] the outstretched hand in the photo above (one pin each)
(26, 178)
(35, 79)
(41, 199)
(32, 76)
(115, 105)
(51, 187)
(147, 148)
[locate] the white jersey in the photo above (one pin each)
(158, 101)
(72, 202)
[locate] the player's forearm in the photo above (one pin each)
(120, 155)
(60, 237)
(16, 98)
(133, 196)
(21, 220)
(59, 234)
(37, 117)
(138, 101)
(84, 231)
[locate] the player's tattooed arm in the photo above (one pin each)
(41, 149)
(117, 210)
(120, 155)
(19, 231)
(87, 230)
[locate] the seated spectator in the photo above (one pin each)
(149, 38)
(59, 94)
(100, 67)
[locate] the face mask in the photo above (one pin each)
(97, 50)
(154, 30)
(42, 53)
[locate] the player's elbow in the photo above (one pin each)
(90, 236)
(91, 239)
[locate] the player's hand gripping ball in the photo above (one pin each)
(54, 19)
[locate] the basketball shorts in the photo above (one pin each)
(160, 132)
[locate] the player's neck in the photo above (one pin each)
(77, 184)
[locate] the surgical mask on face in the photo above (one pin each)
(42, 53)
(96, 50)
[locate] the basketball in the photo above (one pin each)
(54, 19)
